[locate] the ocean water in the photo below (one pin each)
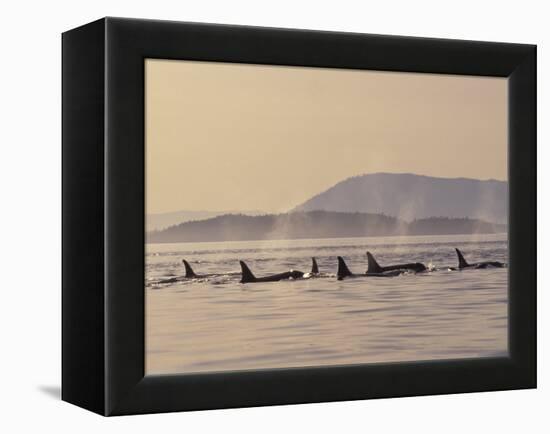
(216, 323)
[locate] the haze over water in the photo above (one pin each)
(218, 324)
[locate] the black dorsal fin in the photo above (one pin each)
(372, 265)
(247, 275)
(314, 266)
(343, 270)
(461, 261)
(188, 270)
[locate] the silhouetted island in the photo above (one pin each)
(315, 224)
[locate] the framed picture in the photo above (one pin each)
(257, 216)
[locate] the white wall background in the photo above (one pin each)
(30, 204)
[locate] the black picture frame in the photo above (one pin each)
(103, 215)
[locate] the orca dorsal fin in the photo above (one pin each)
(188, 270)
(343, 270)
(247, 275)
(372, 265)
(314, 266)
(461, 261)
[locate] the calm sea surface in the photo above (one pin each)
(218, 324)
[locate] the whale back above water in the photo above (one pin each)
(374, 268)
(372, 265)
(314, 266)
(248, 277)
(462, 263)
(343, 270)
(189, 273)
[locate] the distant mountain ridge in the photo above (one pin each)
(409, 196)
(313, 224)
(159, 221)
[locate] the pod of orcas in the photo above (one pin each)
(374, 269)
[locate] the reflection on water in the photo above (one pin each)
(217, 324)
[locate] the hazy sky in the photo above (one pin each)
(223, 136)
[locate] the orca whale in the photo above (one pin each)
(375, 268)
(486, 264)
(190, 274)
(344, 272)
(248, 276)
(314, 267)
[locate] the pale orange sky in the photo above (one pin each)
(223, 136)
